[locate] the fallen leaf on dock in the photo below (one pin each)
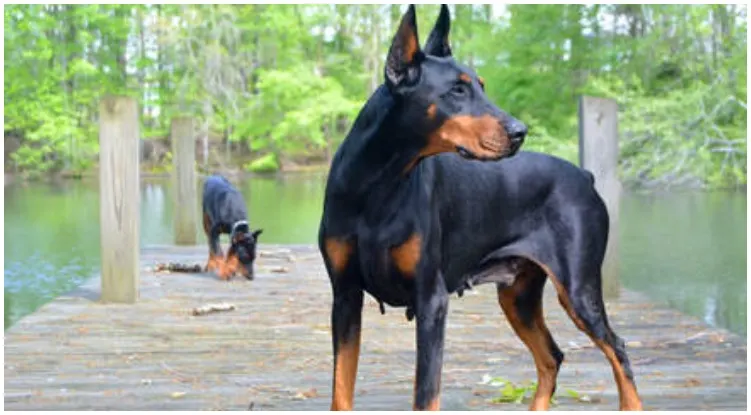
(176, 395)
(279, 270)
(301, 396)
(692, 382)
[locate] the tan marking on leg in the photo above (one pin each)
(628, 396)
(345, 373)
(206, 223)
(221, 269)
(536, 340)
(230, 266)
(431, 111)
(338, 252)
(213, 263)
(434, 405)
(407, 255)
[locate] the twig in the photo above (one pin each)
(213, 308)
(178, 267)
(181, 376)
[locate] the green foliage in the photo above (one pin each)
(690, 135)
(510, 392)
(564, 145)
(265, 164)
(32, 162)
(305, 108)
(290, 79)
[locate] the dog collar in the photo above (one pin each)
(234, 227)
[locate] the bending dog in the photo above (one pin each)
(224, 212)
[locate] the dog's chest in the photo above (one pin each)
(389, 268)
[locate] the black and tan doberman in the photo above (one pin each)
(427, 196)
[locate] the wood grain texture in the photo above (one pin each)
(274, 349)
(598, 153)
(119, 198)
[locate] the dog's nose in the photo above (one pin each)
(516, 131)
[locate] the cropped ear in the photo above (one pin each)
(256, 233)
(438, 41)
(403, 60)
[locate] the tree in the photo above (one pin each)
(287, 80)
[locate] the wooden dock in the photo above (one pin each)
(273, 352)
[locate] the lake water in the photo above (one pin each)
(683, 249)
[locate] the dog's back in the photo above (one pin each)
(222, 202)
(500, 204)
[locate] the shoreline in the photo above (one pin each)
(13, 178)
(16, 178)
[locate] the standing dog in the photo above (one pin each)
(224, 212)
(411, 226)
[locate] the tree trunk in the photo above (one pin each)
(206, 125)
(159, 67)
(122, 50)
(375, 49)
(227, 145)
(141, 71)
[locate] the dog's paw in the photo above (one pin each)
(212, 265)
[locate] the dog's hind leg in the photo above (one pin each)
(216, 258)
(586, 308)
(212, 263)
(522, 304)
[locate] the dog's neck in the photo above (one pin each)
(373, 163)
(377, 173)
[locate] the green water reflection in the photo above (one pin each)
(687, 250)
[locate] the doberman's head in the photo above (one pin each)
(242, 252)
(443, 102)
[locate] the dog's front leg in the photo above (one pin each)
(346, 317)
(431, 309)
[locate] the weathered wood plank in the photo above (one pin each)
(274, 350)
(119, 196)
(184, 162)
(598, 153)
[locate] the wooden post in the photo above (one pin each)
(119, 198)
(598, 153)
(184, 161)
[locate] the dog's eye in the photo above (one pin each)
(460, 89)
